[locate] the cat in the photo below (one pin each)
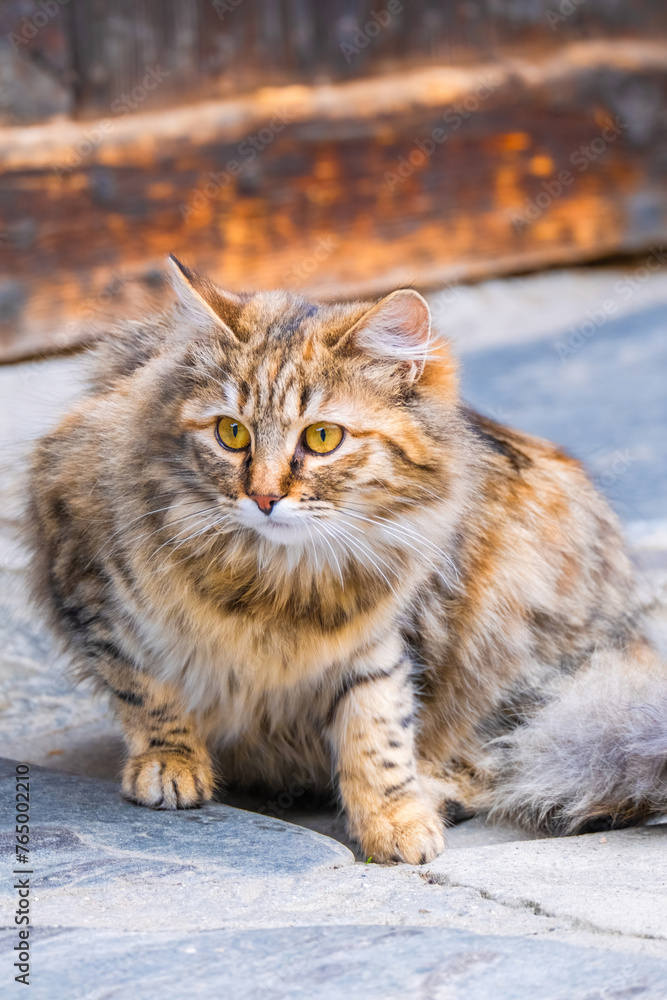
(274, 534)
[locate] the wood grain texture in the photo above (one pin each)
(303, 186)
(218, 48)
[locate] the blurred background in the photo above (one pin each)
(336, 146)
(506, 157)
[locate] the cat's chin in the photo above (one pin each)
(281, 533)
(286, 526)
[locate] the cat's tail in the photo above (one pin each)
(595, 755)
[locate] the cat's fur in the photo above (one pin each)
(441, 610)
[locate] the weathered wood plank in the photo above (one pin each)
(339, 189)
(215, 48)
(36, 78)
(89, 55)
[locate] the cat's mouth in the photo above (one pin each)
(278, 526)
(281, 532)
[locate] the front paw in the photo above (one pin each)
(411, 831)
(166, 779)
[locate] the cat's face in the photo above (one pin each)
(314, 426)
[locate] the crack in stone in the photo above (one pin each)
(574, 923)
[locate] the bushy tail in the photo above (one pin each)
(595, 755)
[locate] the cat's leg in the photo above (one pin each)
(169, 766)
(390, 809)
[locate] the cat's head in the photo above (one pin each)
(329, 429)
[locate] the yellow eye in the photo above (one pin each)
(322, 437)
(232, 434)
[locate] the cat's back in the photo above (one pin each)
(541, 555)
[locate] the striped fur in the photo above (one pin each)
(415, 619)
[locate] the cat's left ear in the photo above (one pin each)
(203, 301)
(397, 331)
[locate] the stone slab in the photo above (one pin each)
(81, 829)
(330, 963)
(100, 862)
(102, 865)
(615, 882)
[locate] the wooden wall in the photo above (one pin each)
(291, 161)
(100, 49)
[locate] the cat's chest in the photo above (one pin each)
(281, 648)
(240, 666)
(246, 689)
(235, 667)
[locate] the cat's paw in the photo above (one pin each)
(411, 832)
(164, 779)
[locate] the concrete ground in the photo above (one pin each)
(236, 902)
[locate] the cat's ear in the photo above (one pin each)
(201, 300)
(397, 330)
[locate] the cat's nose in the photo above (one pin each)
(265, 504)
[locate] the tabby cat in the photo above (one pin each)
(271, 530)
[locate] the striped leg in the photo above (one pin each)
(372, 730)
(169, 765)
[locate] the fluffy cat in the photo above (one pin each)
(274, 534)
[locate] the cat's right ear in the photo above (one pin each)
(396, 331)
(202, 301)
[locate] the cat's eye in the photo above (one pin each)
(322, 438)
(232, 434)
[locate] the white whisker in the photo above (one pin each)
(207, 541)
(404, 534)
(322, 532)
(314, 547)
(123, 528)
(173, 538)
(337, 528)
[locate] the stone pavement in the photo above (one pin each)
(226, 902)
(222, 902)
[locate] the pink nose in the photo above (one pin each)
(265, 504)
